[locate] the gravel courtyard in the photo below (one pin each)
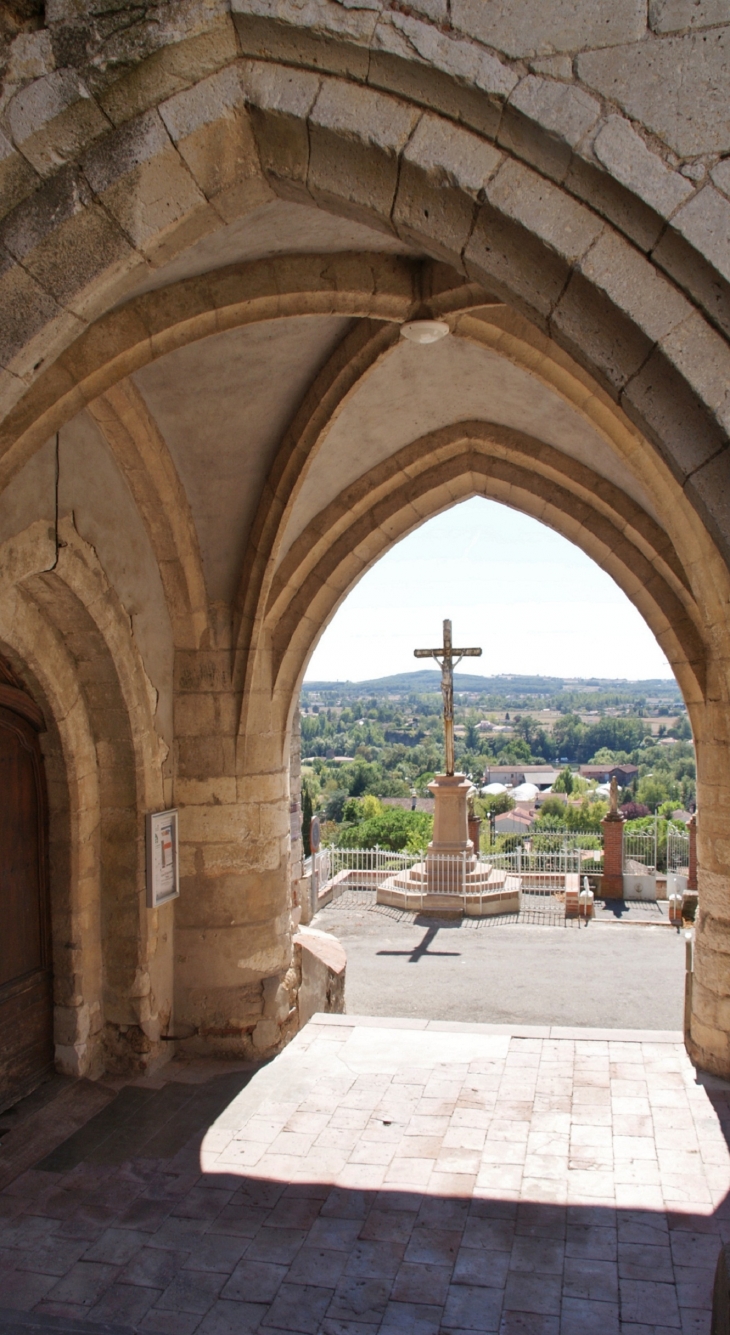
(617, 972)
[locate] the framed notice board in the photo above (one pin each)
(163, 870)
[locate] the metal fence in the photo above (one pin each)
(677, 848)
(640, 851)
(541, 864)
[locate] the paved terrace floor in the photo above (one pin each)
(379, 1176)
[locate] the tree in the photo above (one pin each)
(307, 813)
(395, 829)
(472, 737)
(564, 782)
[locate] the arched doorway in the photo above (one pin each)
(26, 984)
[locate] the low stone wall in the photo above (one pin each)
(322, 962)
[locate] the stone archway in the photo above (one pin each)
(424, 174)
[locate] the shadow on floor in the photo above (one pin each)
(118, 1230)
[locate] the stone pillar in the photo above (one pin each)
(451, 839)
(450, 817)
(692, 832)
(612, 884)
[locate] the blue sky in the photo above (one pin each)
(528, 597)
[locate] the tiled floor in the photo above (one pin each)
(388, 1176)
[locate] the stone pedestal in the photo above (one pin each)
(692, 832)
(612, 884)
(451, 852)
(450, 817)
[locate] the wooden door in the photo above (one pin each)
(26, 1000)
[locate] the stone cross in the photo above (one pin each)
(445, 656)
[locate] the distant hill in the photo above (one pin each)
(426, 680)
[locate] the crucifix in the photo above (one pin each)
(445, 657)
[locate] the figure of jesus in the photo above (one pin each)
(447, 657)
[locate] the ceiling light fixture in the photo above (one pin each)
(424, 331)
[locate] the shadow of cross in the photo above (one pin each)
(421, 949)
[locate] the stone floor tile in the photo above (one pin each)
(544, 1256)
(171, 1323)
(593, 1280)
(66, 1311)
(192, 1291)
(254, 1281)
(581, 1316)
(299, 1307)
(532, 1292)
(695, 1321)
(375, 1260)
(178, 1234)
(694, 1249)
(84, 1283)
(529, 1323)
(124, 1305)
(21, 1290)
(50, 1255)
(117, 1246)
(648, 1302)
(367, 1176)
(643, 1261)
(339, 1326)
(358, 1299)
(242, 1221)
(475, 1266)
(402, 1318)
(223, 1318)
(316, 1265)
(216, 1252)
(452, 1184)
(491, 1233)
(388, 1226)
(591, 1242)
(469, 1307)
(436, 1246)
(694, 1286)
(153, 1267)
(277, 1245)
(422, 1283)
(334, 1234)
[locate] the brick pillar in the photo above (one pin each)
(612, 885)
(692, 832)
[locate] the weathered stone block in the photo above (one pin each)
(356, 136)
(279, 102)
(691, 114)
(395, 71)
(624, 153)
(563, 224)
(442, 171)
(696, 275)
(17, 177)
(665, 408)
(512, 264)
(591, 183)
(536, 29)
(25, 310)
(167, 71)
(702, 357)
(598, 334)
(634, 286)
(213, 133)
(65, 240)
(544, 121)
(678, 15)
(54, 119)
(141, 180)
(205, 757)
(705, 223)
